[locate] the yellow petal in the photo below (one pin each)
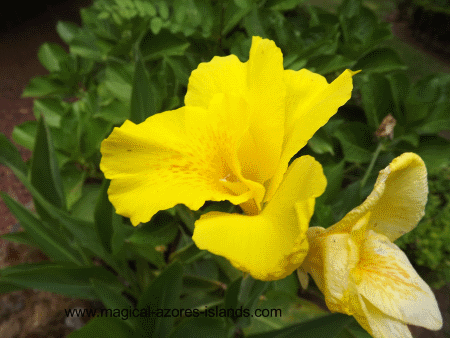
(390, 283)
(378, 324)
(313, 262)
(397, 202)
(260, 83)
(273, 244)
(310, 104)
(181, 156)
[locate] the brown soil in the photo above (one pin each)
(40, 314)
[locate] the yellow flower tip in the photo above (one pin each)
(397, 202)
(352, 73)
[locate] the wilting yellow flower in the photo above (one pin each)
(358, 268)
(233, 140)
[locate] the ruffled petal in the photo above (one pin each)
(397, 202)
(260, 82)
(307, 113)
(388, 281)
(187, 156)
(273, 244)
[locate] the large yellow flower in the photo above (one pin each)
(358, 268)
(233, 140)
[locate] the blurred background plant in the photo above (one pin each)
(132, 59)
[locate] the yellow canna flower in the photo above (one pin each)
(358, 268)
(233, 140)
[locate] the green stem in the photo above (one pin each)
(372, 163)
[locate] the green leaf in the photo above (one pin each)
(233, 14)
(46, 238)
(109, 297)
(104, 327)
(380, 60)
(142, 102)
(163, 293)
(346, 200)
(21, 237)
(330, 326)
(164, 44)
(84, 208)
(156, 25)
(52, 109)
(188, 254)
(438, 120)
(320, 143)
(334, 174)
(352, 135)
(44, 171)
(43, 86)
(67, 31)
(62, 278)
(278, 310)
(119, 79)
(326, 64)
(251, 290)
(25, 134)
(435, 153)
(52, 56)
(282, 5)
(73, 180)
(85, 44)
(200, 327)
(253, 23)
(196, 282)
(103, 216)
(10, 156)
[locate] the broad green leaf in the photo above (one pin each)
(320, 143)
(233, 14)
(21, 237)
(45, 174)
(67, 31)
(330, 326)
(399, 87)
(334, 174)
(156, 25)
(164, 44)
(251, 290)
(188, 254)
(326, 64)
(346, 200)
(46, 238)
(62, 278)
(277, 310)
(142, 103)
(52, 56)
(282, 5)
(232, 294)
(376, 97)
(380, 60)
(349, 8)
(52, 109)
(200, 327)
(84, 44)
(163, 293)
(180, 70)
(104, 327)
(73, 180)
(25, 134)
(435, 152)
(43, 86)
(353, 137)
(109, 297)
(116, 111)
(196, 282)
(230, 271)
(10, 156)
(84, 208)
(438, 120)
(103, 216)
(253, 23)
(289, 285)
(119, 79)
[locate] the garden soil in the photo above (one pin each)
(29, 313)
